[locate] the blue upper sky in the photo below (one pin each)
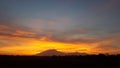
(63, 18)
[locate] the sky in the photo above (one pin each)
(28, 27)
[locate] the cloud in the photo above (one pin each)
(75, 36)
(106, 6)
(60, 27)
(107, 45)
(76, 40)
(15, 31)
(59, 30)
(23, 33)
(111, 49)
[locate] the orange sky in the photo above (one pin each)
(32, 46)
(28, 27)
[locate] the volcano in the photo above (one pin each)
(53, 52)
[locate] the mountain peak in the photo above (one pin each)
(54, 52)
(51, 52)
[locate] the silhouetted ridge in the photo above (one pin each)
(51, 53)
(54, 52)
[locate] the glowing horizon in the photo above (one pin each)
(33, 46)
(28, 27)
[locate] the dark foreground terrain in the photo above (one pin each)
(96, 61)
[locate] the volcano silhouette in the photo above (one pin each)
(53, 52)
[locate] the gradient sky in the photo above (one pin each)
(28, 27)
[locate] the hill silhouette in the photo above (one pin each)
(53, 52)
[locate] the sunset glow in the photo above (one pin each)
(30, 27)
(32, 46)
